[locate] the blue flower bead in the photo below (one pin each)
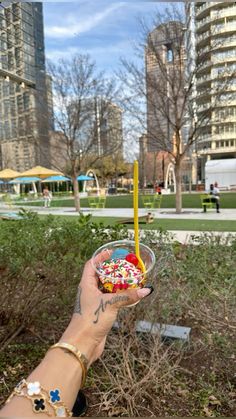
(54, 396)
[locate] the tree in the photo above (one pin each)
(112, 167)
(85, 114)
(162, 92)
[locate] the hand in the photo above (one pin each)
(95, 312)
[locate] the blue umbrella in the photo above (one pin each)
(58, 178)
(1, 181)
(25, 180)
(84, 177)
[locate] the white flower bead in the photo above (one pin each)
(33, 388)
(61, 412)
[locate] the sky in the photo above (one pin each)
(104, 29)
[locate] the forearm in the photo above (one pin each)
(58, 370)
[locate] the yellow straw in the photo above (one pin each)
(136, 238)
(136, 229)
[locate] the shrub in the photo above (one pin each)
(41, 259)
(194, 285)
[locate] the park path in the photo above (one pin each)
(187, 214)
(180, 235)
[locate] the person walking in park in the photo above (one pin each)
(47, 196)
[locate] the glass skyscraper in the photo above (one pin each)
(25, 114)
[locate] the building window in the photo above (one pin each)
(169, 55)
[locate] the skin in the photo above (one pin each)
(93, 317)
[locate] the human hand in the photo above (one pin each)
(95, 312)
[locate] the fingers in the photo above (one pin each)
(105, 254)
(89, 274)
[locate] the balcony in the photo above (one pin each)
(223, 59)
(225, 136)
(203, 36)
(225, 12)
(218, 150)
(203, 8)
(224, 44)
(204, 79)
(204, 50)
(204, 65)
(203, 22)
(204, 107)
(224, 28)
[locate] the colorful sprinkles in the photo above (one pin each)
(119, 274)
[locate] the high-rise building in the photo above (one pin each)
(165, 67)
(211, 41)
(109, 129)
(25, 117)
(164, 63)
(101, 130)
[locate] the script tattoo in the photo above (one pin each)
(77, 308)
(103, 305)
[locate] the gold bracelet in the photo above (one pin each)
(79, 356)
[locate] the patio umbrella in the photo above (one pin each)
(1, 181)
(84, 178)
(41, 172)
(58, 178)
(25, 180)
(9, 174)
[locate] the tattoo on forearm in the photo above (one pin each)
(103, 305)
(77, 308)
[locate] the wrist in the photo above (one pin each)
(80, 337)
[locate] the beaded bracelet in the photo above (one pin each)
(41, 399)
(79, 356)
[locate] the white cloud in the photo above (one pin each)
(94, 51)
(56, 54)
(75, 27)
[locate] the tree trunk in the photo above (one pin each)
(76, 193)
(178, 201)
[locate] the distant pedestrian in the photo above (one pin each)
(47, 196)
(214, 197)
(216, 194)
(158, 188)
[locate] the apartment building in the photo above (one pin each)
(24, 112)
(211, 42)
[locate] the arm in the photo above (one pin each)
(94, 315)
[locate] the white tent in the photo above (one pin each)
(221, 171)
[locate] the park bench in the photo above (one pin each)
(206, 201)
(97, 201)
(152, 201)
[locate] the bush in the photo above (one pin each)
(194, 285)
(41, 259)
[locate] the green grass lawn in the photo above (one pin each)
(165, 224)
(228, 200)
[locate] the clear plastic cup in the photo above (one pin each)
(120, 249)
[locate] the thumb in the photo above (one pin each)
(133, 296)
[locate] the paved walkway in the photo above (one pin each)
(188, 214)
(182, 236)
